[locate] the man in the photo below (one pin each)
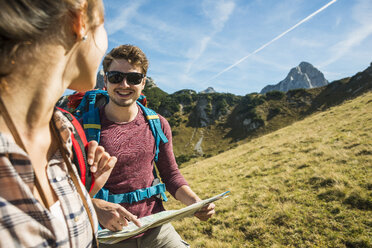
(125, 133)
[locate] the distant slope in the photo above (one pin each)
(306, 185)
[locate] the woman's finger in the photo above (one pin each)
(91, 151)
(102, 164)
(107, 163)
(97, 157)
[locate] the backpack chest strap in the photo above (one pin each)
(134, 196)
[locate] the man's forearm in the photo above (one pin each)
(185, 195)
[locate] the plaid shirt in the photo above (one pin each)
(24, 222)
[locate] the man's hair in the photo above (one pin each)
(132, 54)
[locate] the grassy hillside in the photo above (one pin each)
(306, 185)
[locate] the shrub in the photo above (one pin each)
(274, 95)
(175, 132)
(272, 113)
(174, 121)
(183, 159)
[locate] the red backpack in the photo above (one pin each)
(79, 145)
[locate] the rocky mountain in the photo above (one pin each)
(303, 76)
(208, 90)
(150, 83)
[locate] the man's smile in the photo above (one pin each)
(124, 93)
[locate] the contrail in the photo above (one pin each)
(276, 38)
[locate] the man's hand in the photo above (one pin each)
(185, 195)
(206, 212)
(113, 216)
(101, 165)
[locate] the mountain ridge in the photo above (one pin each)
(204, 125)
(223, 120)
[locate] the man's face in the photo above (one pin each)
(124, 94)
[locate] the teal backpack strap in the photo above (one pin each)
(91, 119)
(134, 196)
(131, 197)
(92, 125)
(88, 102)
(155, 126)
(102, 194)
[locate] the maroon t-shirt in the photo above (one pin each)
(134, 146)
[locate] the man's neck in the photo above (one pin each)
(117, 113)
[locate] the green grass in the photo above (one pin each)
(306, 185)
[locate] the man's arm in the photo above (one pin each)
(173, 179)
(185, 195)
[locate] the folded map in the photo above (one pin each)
(108, 237)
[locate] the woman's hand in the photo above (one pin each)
(101, 165)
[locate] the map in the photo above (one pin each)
(108, 237)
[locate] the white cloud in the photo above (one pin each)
(219, 12)
(282, 12)
(121, 21)
(270, 63)
(362, 14)
(195, 52)
(274, 39)
(306, 42)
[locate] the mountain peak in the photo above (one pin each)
(305, 64)
(305, 75)
(208, 90)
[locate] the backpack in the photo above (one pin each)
(88, 111)
(79, 143)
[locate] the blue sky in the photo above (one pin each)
(189, 43)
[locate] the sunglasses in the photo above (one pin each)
(116, 77)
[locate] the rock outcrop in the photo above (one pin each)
(100, 82)
(304, 76)
(150, 83)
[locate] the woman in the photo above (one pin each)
(46, 46)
